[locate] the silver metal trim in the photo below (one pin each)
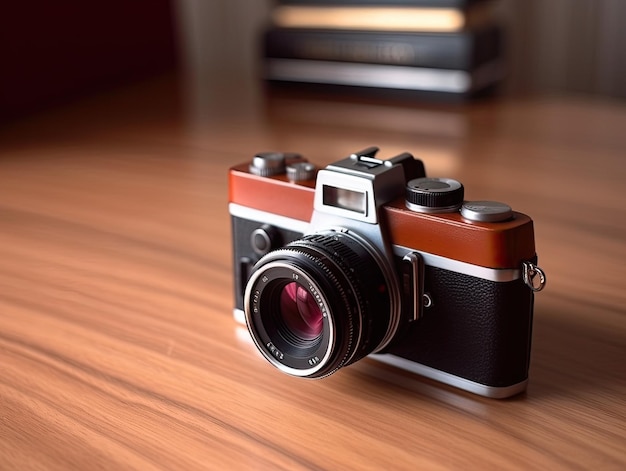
(425, 209)
(450, 379)
(263, 348)
(485, 273)
(491, 274)
(268, 218)
(351, 183)
(239, 316)
(418, 282)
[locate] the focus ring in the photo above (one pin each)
(367, 281)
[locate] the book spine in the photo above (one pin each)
(384, 77)
(459, 51)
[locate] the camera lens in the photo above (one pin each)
(300, 312)
(320, 303)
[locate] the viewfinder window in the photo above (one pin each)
(345, 199)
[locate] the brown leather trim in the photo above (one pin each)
(492, 245)
(275, 195)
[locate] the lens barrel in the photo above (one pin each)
(320, 303)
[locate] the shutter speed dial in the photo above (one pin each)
(434, 195)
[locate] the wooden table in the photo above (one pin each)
(118, 349)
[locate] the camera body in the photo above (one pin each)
(369, 257)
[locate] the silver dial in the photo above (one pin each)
(486, 211)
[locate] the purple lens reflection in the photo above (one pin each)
(300, 312)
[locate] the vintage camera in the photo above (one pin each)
(371, 257)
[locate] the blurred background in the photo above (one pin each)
(55, 52)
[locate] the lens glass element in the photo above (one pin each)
(300, 312)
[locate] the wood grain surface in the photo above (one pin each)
(118, 349)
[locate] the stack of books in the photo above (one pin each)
(441, 48)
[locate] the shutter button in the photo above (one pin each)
(486, 211)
